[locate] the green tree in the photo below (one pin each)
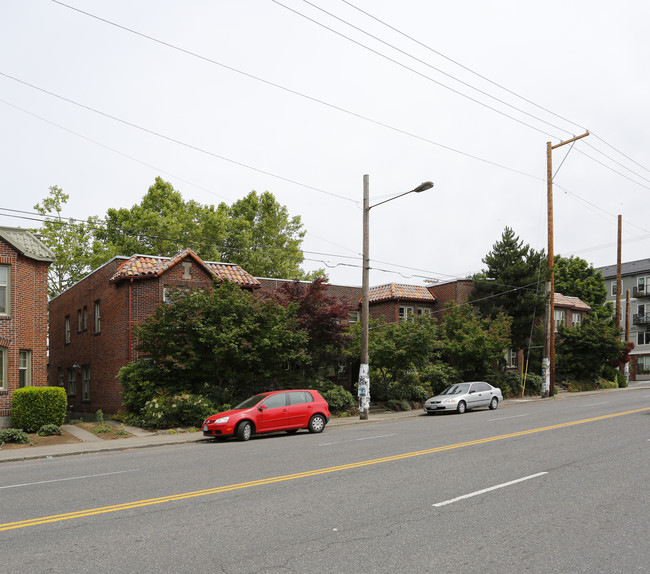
(220, 343)
(513, 283)
(256, 232)
(577, 278)
(70, 242)
(582, 351)
(472, 345)
(162, 224)
(263, 239)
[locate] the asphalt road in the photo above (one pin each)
(548, 486)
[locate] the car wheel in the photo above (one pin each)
(316, 423)
(244, 430)
(292, 431)
(462, 407)
(494, 403)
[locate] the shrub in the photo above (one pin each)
(621, 380)
(14, 435)
(166, 411)
(398, 405)
(439, 376)
(137, 388)
(339, 399)
(49, 430)
(33, 407)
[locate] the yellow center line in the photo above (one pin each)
(305, 474)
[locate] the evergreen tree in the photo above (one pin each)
(513, 283)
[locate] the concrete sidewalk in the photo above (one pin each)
(143, 438)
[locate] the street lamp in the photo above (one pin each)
(364, 370)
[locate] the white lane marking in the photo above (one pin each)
(504, 418)
(69, 478)
(594, 404)
(378, 436)
(488, 489)
(356, 439)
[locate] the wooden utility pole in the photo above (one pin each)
(548, 364)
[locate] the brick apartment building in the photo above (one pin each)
(90, 323)
(24, 261)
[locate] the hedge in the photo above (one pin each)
(33, 407)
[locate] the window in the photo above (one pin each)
(643, 365)
(575, 319)
(79, 321)
(275, 401)
(98, 318)
(85, 319)
(560, 318)
(640, 285)
(405, 312)
(72, 382)
(85, 383)
(643, 338)
(613, 288)
(5, 290)
(300, 397)
(67, 329)
(4, 359)
(511, 358)
(354, 316)
(424, 312)
(24, 369)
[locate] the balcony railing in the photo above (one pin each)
(640, 292)
(641, 319)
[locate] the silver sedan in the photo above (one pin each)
(464, 396)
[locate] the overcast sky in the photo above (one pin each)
(223, 97)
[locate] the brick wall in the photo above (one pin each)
(25, 328)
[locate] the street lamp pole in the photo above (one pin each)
(364, 370)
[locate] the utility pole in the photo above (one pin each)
(548, 363)
(363, 386)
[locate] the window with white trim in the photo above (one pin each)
(354, 316)
(78, 320)
(560, 318)
(24, 368)
(643, 338)
(4, 371)
(424, 312)
(613, 288)
(84, 320)
(643, 365)
(405, 312)
(67, 329)
(575, 319)
(5, 289)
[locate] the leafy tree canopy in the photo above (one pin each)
(255, 232)
(577, 278)
(70, 242)
(226, 342)
(513, 283)
(582, 351)
(320, 315)
(474, 346)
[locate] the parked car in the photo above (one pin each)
(464, 396)
(287, 411)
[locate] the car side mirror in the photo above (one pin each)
(262, 408)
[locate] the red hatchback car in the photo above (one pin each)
(268, 412)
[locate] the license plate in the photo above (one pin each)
(205, 427)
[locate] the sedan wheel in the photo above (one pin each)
(462, 407)
(244, 430)
(316, 423)
(494, 403)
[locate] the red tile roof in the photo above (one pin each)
(142, 266)
(400, 291)
(560, 300)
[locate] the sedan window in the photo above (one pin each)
(300, 397)
(275, 401)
